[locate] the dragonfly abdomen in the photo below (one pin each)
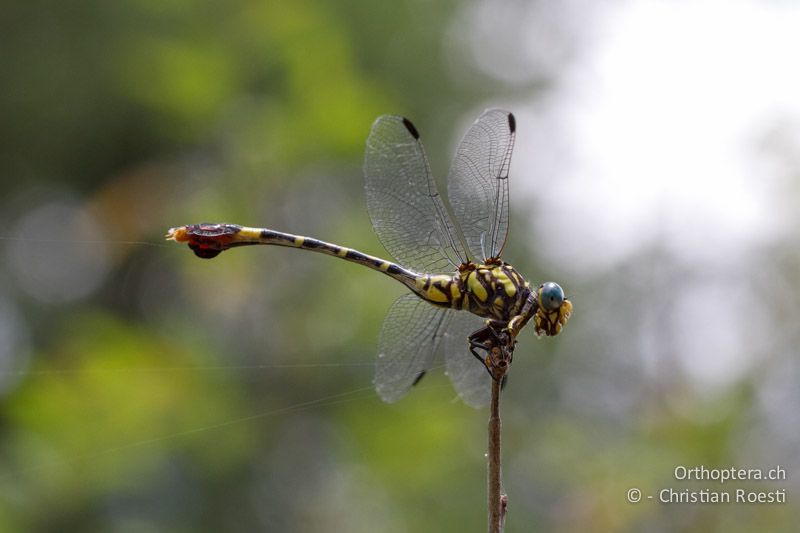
(209, 240)
(441, 290)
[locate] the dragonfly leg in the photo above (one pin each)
(483, 339)
(484, 359)
(497, 345)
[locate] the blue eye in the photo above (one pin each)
(551, 296)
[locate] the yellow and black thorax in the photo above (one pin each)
(495, 291)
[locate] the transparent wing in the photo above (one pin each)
(412, 330)
(407, 213)
(477, 185)
(468, 375)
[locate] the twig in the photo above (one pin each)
(498, 345)
(497, 501)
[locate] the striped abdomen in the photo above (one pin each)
(209, 240)
(493, 291)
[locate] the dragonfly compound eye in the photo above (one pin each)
(551, 296)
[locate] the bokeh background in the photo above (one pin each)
(656, 177)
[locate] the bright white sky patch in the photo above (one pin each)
(652, 133)
(662, 131)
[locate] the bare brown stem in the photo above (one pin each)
(497, 505)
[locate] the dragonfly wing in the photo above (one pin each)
(468, 375)
(477, 185)
(411, 333)
(407, 213)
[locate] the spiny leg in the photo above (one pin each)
(481, 339)
(498, 346)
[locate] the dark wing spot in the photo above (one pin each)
(419, 378)
(512, 123)
(410, 127)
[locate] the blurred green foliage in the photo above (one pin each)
(184, 395)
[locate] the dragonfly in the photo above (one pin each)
(463, 297)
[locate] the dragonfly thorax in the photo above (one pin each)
(494, 290)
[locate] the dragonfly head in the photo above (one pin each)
(553, 311)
